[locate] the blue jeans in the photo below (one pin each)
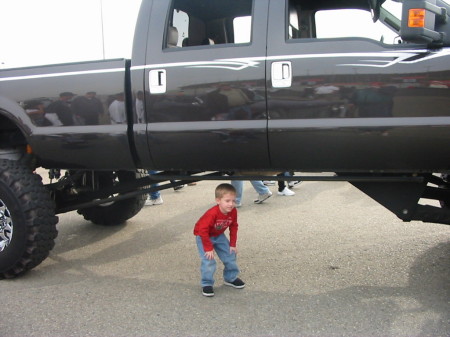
(258, 185)
(208, 267)
(156, 194)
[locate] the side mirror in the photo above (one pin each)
(375, 8)
(423, 21)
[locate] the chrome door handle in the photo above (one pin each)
(157, 81)
(281, 74)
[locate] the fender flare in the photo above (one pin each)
(17, 115)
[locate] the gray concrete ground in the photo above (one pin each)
(326, 262)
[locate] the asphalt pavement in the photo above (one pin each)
(328, 261)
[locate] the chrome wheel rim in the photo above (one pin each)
(6, 226)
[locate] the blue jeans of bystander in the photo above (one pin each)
(258, 185)
(156, 194)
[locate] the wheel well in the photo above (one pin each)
(10, 134)
(11, 139)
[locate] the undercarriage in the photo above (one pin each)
(400, 193)
(28, 207)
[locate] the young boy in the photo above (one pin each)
(209, 231)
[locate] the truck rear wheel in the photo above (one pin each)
(116, 212)
(27, 220)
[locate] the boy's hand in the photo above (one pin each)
(233, 250)
(209, 255)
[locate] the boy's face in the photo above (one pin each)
(227, 202)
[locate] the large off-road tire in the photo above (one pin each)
(117, 212)
(27, 220)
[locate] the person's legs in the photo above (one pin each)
(238, 185)
(207, 267)
(262, 190)
(259, 187)
(222, 248)
(281, 183)
(154, 198)
(282, 188)
(155, 195)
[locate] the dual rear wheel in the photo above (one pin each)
(116, 212)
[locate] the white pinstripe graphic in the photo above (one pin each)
(386, 59)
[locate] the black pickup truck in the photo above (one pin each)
(231, 89)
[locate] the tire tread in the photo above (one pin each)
(38, 210)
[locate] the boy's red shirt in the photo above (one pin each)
(213, 223)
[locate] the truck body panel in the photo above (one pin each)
(347, 97)
(189, 123)
(72, 143)
(351, 107)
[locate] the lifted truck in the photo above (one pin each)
(231, 89)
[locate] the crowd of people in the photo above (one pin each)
(71, 109)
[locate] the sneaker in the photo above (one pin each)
(148, 202)
(269, 182)
(262, 197)
(157, 201)
(237, 283)
(179, 187)
(238, 205)
(293, 183)
(286, 192)
(208, 291)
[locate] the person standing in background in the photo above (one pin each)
(87, 109)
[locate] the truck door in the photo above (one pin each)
(205, 84)
(345, 94)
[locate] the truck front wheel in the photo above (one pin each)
(27, 219)
(116, 212)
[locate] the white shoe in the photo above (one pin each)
(286, 192)
(293, 183)
(262, 197)
(148, 202)
(157, 201)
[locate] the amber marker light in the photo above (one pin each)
(29, 149)
(416, 18)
